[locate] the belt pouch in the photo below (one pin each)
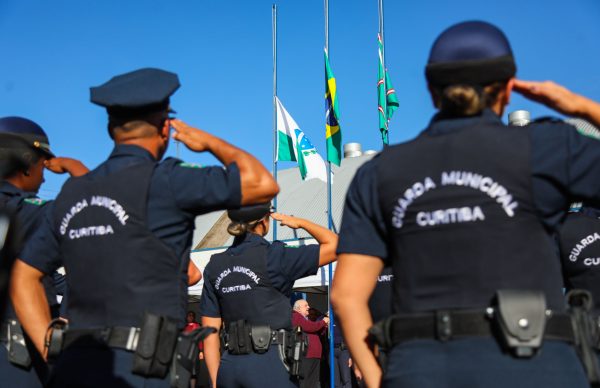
(167, 339)
(17, 348)
(238, 338)
(261, 338)
(147, 344)
(521, 318)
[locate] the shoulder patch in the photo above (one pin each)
(35, 201)
(189, 165)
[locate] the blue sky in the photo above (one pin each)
(53, 51)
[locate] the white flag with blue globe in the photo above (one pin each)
(294, 146)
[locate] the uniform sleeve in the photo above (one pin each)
(204, 189)
(209, 304)
(41, 251)
(296, 262)
(363, 230)
(565, 168)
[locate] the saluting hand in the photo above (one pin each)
(61, 165)
(552, 95)
(285, 220)
(193, 138)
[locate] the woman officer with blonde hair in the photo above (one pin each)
(247, 288)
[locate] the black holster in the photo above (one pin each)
(56, 336)
(379, 335)
(294, 348)
(18, 354)
(156, 345)
(186, 355)
(586, 332)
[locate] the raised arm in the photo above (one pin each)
(561, 99)
(71, 166)
(256, 181)
(326, 238)
(29, 299)
(212, 348)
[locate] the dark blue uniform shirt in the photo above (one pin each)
(565, 167)
(30, 212)
(285, 265)
(29, 207)
(178, 193)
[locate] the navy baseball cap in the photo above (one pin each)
(137, 92)
(33, 135)
(473, 52)
(250, 213)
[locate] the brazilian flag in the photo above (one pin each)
(333, 134)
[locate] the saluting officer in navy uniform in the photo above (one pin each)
(579, 242)
(124, 231)
(249, 286)
(20, 363)
(464, 215)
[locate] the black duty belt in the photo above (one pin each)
(114, 337)
(448, 325)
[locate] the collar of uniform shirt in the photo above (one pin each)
(241, 243)
(443, 124)
(130, 150)
(10, 189)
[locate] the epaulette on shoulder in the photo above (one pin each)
(35, 201)
(189, 165)
(548, 119)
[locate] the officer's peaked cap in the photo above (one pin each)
(250, 213)
(141, 91)
(33, 135)
(473, 52)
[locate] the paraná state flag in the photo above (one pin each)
(294, 146)
(386, 95)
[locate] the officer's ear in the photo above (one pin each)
(508, 90)
(435, 97)
(166, 129)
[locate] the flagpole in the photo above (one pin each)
(330, 226)
(380, 4)
(274, 16)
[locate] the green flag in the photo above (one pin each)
(333, 133)
(386, 96)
